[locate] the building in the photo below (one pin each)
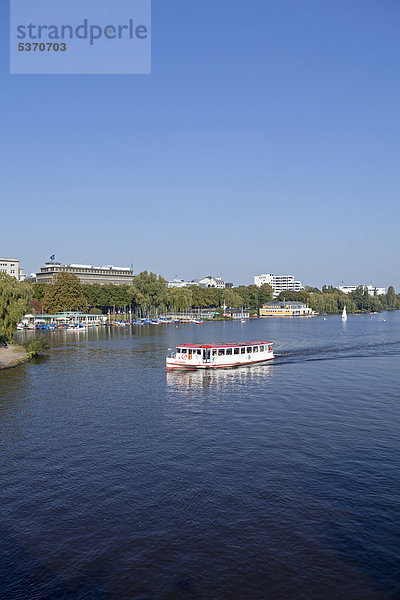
(347, 289)
(285, 309)
(207, 282)
(236, 313)
(181, 283)
(69, 318)
(87, 273)
(280, 283)
(211, 282)
(11, 267)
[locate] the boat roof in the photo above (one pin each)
(229, 345)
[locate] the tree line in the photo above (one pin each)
(330, 300)
(149, 294)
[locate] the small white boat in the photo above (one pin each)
(214, 356)
(344, 314)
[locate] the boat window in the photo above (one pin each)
(255, 349)
(190, 351)
(184, 351)
(221, 352)
(199, 351)
(249, 349)
(229, 351)
(214, 352)
(178, 350)
(242, 350)
(236, 351)
(261, 348)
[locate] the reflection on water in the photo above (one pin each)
(183, 381)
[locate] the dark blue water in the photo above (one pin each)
(121, 481)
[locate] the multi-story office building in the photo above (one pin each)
(280, 283)
(87, 273)
(347, 289)
(11, 267)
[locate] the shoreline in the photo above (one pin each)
(12, 356)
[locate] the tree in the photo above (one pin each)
(179, 298)
(231, 298)
(265, 293)
(391, 298)
(65, 293)
(15, 298)
(149, 291)
(39, 290)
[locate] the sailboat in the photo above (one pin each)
(344, 314)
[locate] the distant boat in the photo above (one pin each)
(344, 314)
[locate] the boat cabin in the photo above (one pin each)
(219, 355)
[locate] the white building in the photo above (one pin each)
(280, 283)
(11, 267)
(347, 289)
(211, 282)
(181, 283)
(207, 282)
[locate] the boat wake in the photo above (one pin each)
(338, 353)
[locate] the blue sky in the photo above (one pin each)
(265, 140)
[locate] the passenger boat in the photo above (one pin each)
(214, 356)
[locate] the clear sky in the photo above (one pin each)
(266, 140)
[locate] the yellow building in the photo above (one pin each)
(285, 309)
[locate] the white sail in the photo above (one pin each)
(344, 314)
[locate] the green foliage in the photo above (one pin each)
(231, 298)
(36, 346)
(292, 296)
(15, 297)
(149, 294)
(39, 290)
(65, 293)
(330, 300)
(149, 291)
(179, 299)
(253, 296)
(391, 298)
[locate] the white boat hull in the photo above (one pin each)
(215, 363)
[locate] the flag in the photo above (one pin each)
(52, 257)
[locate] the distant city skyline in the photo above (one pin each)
(248, 281)
(265, 140)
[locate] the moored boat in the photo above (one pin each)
(214, 356)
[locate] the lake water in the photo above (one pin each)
(280, 481)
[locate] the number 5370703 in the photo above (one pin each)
(41, 47)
